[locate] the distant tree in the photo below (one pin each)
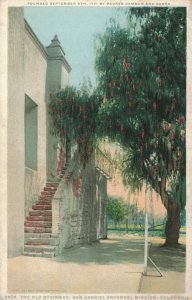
(141, 218)
(131, 214)
(115, 209)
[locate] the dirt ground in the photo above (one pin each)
(171, 263)
(110, 266)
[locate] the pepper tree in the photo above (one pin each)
(72, 113)
(140, 102)
(141, 71)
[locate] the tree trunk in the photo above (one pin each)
(172, 228)
(173, 224)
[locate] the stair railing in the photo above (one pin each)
(103, 164)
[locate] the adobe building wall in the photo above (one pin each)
(15, 135)
(30, 72)
(101, 197)
(27, 67)
(78, 207)
(79, 204)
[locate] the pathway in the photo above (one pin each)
(109, 266)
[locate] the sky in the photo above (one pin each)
(76, 28)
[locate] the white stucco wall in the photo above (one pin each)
(57, 78)
(31, 189)
(64, 77)
(35, 80)
(32, 74)
(31, 133)
(54, 75)
(15, 135)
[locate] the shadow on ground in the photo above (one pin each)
(110, 266)
(109, 251)
(168, 259)
(120, 251)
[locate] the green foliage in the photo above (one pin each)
(72, 113)
(143, 80)
(115, 209)
(133, 215)
(125, 213)
(140, 100)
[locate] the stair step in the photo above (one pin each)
(45, 198)
(39, 254)
(42, 241)
(36, 243)
(41, 207)
(25, 253)
(38, 224)
(43, 202)
(50, 188)
(47, 193)
(41, 213)
(52, 184)
(38, 237)
(39, 218)
(41, 236)
(37, 230)
(39, 248)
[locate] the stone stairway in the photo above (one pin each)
(38, 237)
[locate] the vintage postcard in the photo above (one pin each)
(95, 147)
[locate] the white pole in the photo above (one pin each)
(146, 244)
(146, 257)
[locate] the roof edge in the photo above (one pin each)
(35, 38)
(43, 49)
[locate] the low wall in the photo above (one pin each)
(78, 206)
